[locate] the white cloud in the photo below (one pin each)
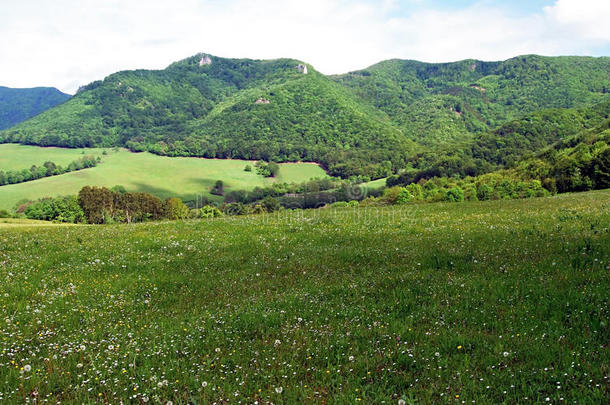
(589, 19)
(64, 43)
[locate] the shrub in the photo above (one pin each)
(174, 208)
(270, 204)
(454, 194)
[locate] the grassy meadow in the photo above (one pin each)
(487, 302)
(186, 178)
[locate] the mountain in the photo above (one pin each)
(436, 102)
(17, 105)
(372, 122)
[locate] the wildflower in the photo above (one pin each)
(204, 384)
(159, 384)
(401, 402)
(277, 343)
(27, 368)
(506, 354)
(79, 365)
(110, 347)
(459, 347)
(279, 390)
(351, 358)
(217, 350)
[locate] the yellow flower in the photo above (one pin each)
(460, 347)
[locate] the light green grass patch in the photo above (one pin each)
(186, 178)
(18, 157)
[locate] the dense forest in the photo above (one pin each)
(17, 105)
(462, 118)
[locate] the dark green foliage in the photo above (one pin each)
(503, 147)
(218, 188)
(270, 204)
(17, 105)
(454, 194)
(61, 209)
(270, 169)
(46, 170)
(578, 163)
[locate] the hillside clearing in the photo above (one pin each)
(187, 178)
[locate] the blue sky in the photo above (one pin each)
(518, 7)
(67, 43)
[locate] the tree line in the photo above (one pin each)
(46, 170)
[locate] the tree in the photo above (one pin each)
(270, 204)
(218, 188)
(274, 169)
(174, 208)
(454, 194)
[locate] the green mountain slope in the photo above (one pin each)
(473, 96)
(578, 163)
(505, 146)
(17, 105)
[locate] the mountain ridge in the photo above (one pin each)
(367, 122)
(20, 104)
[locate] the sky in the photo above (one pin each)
(69, 43)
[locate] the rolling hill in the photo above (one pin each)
(17, 105)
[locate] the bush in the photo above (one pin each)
(62, 209)
(209, 211)
(218, 188)
(454, 194)
(404, 196)
(339, 204)
(174, 208)
(270, 204)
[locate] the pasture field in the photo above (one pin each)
(487, 302)
(18, 157)
(186, 178)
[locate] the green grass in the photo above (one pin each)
(18, 157)
(163, 176)
(379, 183)
(493, 302)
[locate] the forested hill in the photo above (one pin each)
(17, 105)
(436, 102)
(371, 122)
